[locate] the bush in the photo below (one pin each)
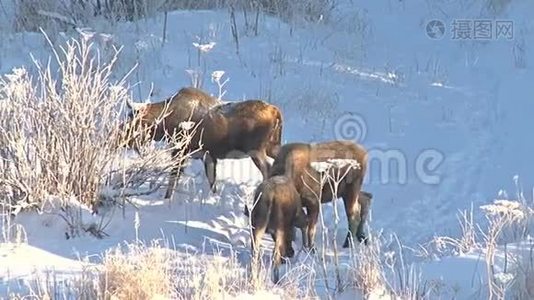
(59, 131)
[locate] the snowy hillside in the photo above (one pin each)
(445, 121)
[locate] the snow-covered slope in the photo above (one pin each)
(452, 116)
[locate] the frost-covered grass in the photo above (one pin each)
(381, 270)
(61, 137)
(138, 271)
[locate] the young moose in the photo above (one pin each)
(278, 211)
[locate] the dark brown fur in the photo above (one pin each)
(250, 127)
(188, 104)
(277, 211)
(294, 160)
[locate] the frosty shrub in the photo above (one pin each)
(58, 15)
(500, 215)
(287, 10)
(62, 140)
(59, 130)
(29, 15)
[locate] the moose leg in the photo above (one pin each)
(300, 221)
(313, 216)
(260, 160)
(279, 250)
(365, 205)
(352, 210)
(290, 236)
(175, 174)
(210, 167)
(258, 231)
(304, 234)
(257, 235)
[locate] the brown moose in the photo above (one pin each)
(295, 161)
(278, 211)
(164, 118)
(250, 127)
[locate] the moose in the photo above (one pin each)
(278, 211)
(234, 129)
(162, 119)
(295, 161)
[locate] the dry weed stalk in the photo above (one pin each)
(331, 174)
(366, 268)
(445, 245)
(500, 215)
(318, 196)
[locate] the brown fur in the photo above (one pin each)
(250, 127)
(188, 103)
(294, 161)
(277, 211)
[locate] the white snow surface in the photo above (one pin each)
(453, 116)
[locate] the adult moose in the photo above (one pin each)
(163, 119)
(250, 127)
(295, 161)
(234, 129)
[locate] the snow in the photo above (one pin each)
(323, 166)
(447, 122)
(187, 125)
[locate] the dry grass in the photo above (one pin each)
(523, 285)
(378, 270)
(367, 269)
(146, 272)
(139, 272)
(509, 272)
(500, 215)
